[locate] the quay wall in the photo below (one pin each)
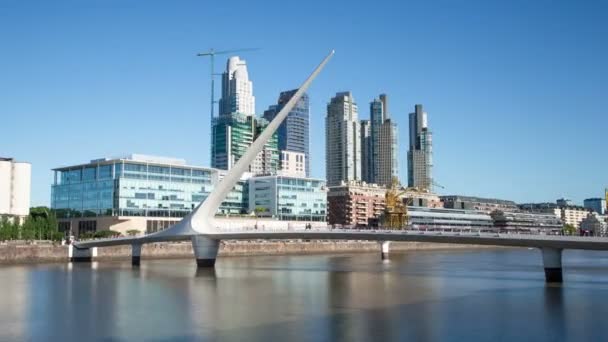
(47, 252)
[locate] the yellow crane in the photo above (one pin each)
(395, 214)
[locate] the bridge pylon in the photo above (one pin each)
(552, 262)
(205, 250)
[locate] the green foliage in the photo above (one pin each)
(569, 229)
(132, 232)
(106, 234)
(41, 224)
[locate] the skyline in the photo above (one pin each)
(467, 94)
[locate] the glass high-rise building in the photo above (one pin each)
(420, 154)
(236, 127)
(342, 140)
(293, 133)
(366, 152)
(237, 89)
(382, 158)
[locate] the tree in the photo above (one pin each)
(569, 229)
(132, 232)
(106, 234)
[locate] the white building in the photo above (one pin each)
(15, 188)
(342, 140)
(237, 89)
(293, 164)
(572, 215)
(288, 198)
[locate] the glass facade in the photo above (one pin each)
(125, 187)
(233, 134)
(293, 132)
(288, 198)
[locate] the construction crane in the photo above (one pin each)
(606, 196)
(211, 54)
(395, 211)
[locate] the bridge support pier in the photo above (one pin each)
(81, 254)
(136, 254)
(384, 249)
(552, 262)
(205, 250)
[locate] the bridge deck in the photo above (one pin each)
(494, 239)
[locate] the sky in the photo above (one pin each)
(516, 91)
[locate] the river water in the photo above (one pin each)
(472, 295)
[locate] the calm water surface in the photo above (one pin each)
(487, 295)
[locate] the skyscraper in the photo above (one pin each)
(388, 153)
(294, 130)
(382, 158)
(366, 152)
(420, 154)
(237, 89)
(236, 127)
(342, 140)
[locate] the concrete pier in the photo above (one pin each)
(205, 250)
(384, 249)
(81, 254)
(135, 254)
(552, 262)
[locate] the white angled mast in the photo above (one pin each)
(202, 216)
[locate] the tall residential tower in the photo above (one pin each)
(420, 154)
(342, 140)
(383, 146)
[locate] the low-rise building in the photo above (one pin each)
(594, 224)
(288, 198)
(526, 222)
(135, 192)
(573, 215)
(486, 205)
(15, 189)
(354, 203)
(449, 219)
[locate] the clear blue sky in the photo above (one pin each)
(516, 91)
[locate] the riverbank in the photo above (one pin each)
(11, 253)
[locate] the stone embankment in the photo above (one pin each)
(48, 252)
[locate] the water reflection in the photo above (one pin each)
(464, 295)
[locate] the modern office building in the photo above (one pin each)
(15, 189)
(382, 158)
(288, 198)
(366, 152)
(598, 205)
(233, 134)
(293, 133)
(422, 218)
(293, 164)
(355, 203)
(564, 202)
(526, 222)
(237, 89)
(342, 140)
(236, 127)
(486, 205)
(267, 161)
(139, 192)
(420, 154)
